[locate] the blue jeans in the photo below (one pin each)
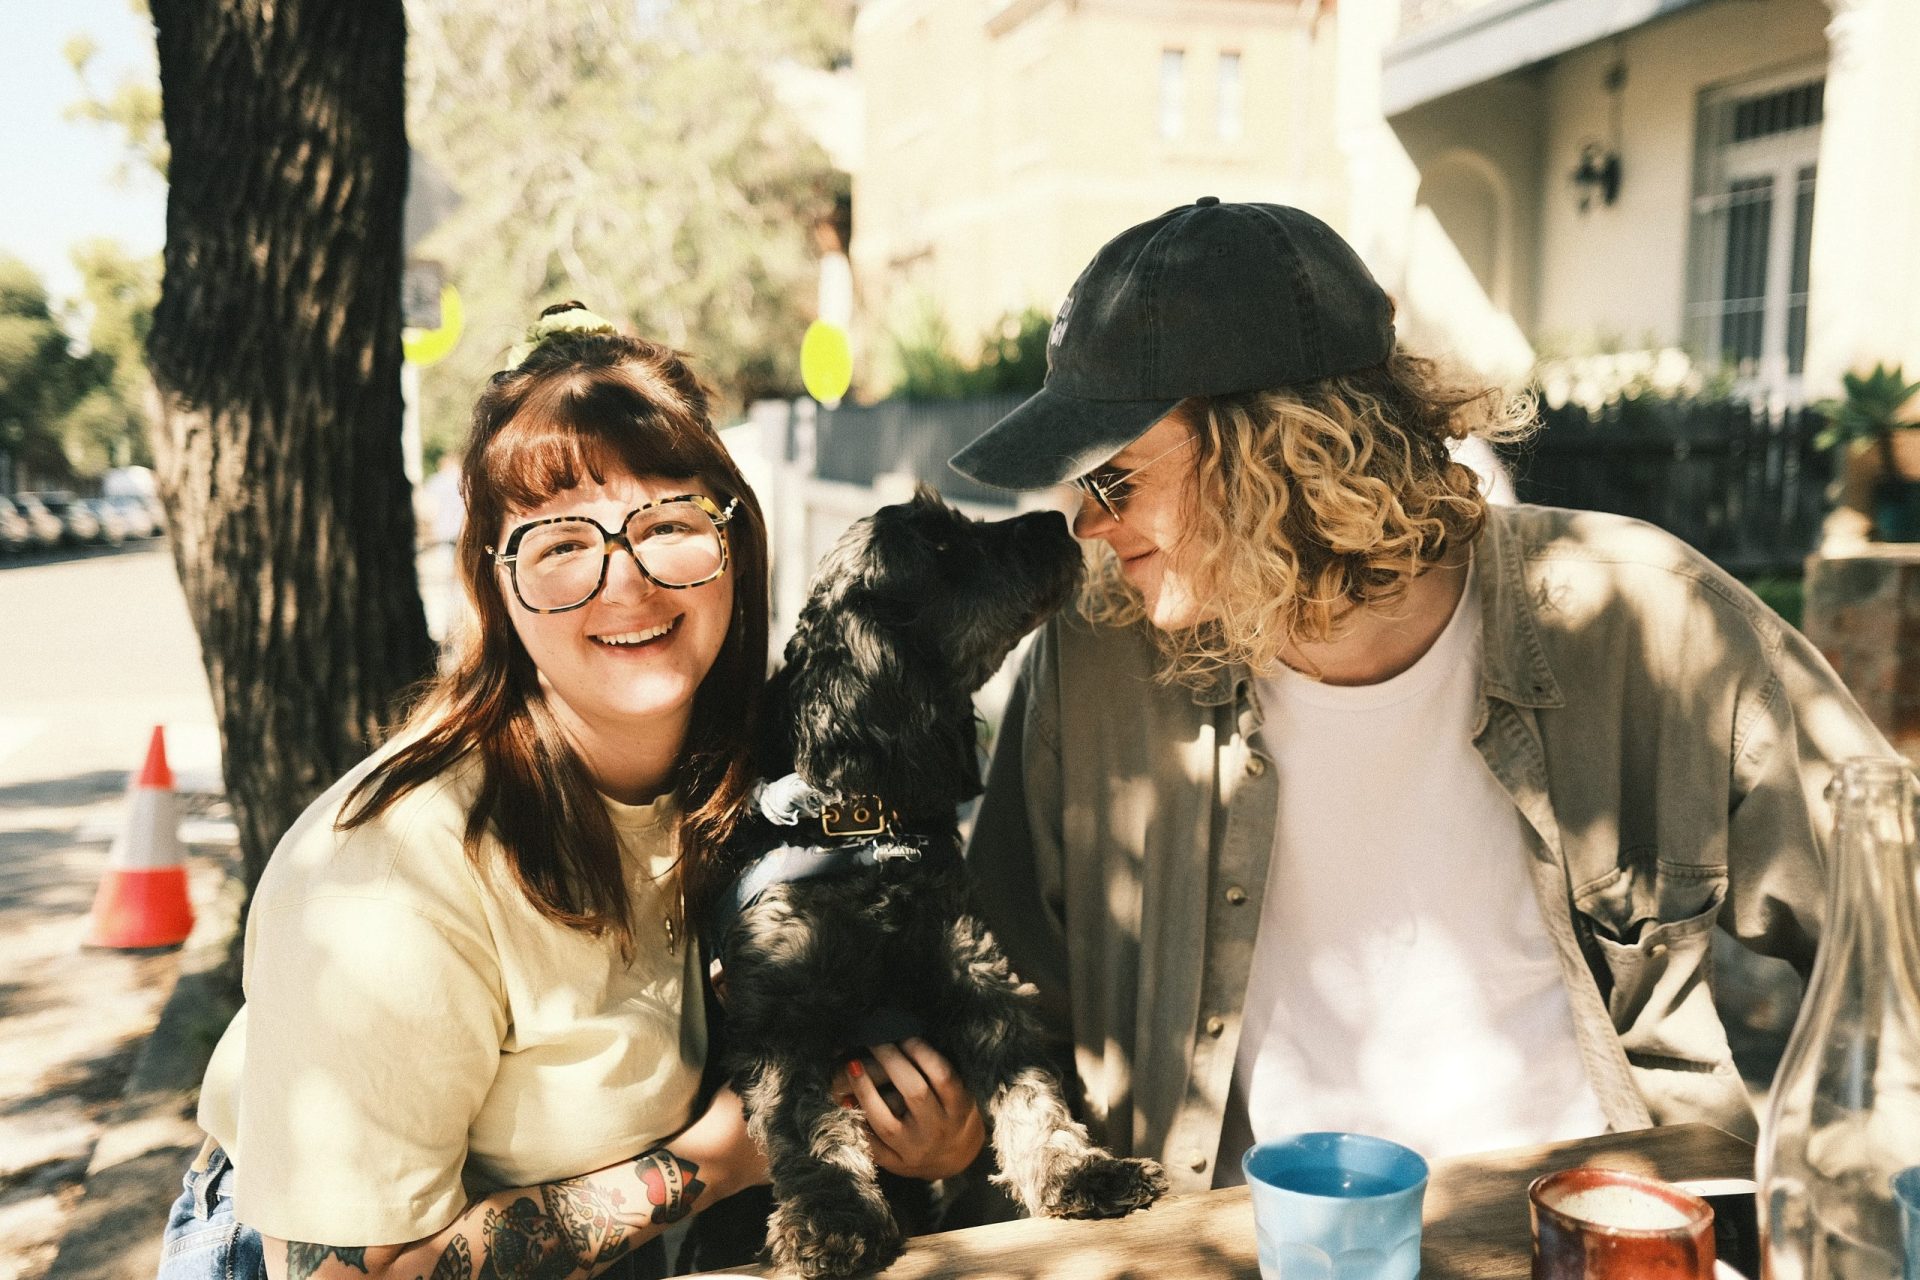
(204, 1241)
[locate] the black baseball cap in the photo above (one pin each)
(1207, 299)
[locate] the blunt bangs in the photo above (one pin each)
(588, 425)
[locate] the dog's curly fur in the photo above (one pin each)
(913, 610)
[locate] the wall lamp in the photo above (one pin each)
(1599, 169)
(1597, 174)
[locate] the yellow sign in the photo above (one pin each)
(429, 346)
(826, 362)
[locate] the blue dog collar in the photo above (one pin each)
(789, 863)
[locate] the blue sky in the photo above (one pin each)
(57, 177)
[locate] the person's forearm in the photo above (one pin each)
(573, 1228)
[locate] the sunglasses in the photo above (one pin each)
(1110, 487)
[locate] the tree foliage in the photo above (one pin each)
(108, 425)
(1013, 357)
(40, 377)
(111, 426)
(635, 156)
(131, 106)
(66, 410)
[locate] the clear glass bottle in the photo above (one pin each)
(1845, 1112)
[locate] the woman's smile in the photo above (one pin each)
(639, 639)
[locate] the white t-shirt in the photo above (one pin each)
(1403, 982)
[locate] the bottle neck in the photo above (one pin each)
(1874, 908)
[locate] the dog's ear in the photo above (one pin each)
(869, 713)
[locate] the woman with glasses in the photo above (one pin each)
(1352, 801)
(474, 1033)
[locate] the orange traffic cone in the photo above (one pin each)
(142, 900)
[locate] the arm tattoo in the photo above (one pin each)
(575, 1226)
(585, 1215)
(523, 1243)
(456, 1263)
(672, 1184)
(303, 1260)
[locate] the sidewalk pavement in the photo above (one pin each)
(76, 1022)
(113, 1232)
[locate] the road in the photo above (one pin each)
(95, 651)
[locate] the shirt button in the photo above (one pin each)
(1215, 1026)
(1196, 1162)
(1255, 766)
(1236, 895)
(1657, 950)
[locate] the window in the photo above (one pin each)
(1752, 227)
(1173, 97)
(1227, 98)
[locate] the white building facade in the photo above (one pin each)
(1735, 179)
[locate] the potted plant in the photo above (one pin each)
(1880, 458)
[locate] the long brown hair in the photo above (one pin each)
(583, 405)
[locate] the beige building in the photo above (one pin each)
(1006, 140)
(1748, 189)
(1738, 179)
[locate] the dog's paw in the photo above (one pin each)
(842, 1238)
(1104, 1186)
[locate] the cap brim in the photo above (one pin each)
(1053, 437)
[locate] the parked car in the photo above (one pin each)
(113, 524)
(139, 519)
(47, 528)
(80, 525)
(16, 535)
(156, 510)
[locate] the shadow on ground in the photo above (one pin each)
(66, 554)
(79, 789)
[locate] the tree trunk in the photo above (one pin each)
(276, 357)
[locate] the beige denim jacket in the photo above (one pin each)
(1666, 736)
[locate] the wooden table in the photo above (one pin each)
(1475, 1220)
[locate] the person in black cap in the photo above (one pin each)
(1347, 800)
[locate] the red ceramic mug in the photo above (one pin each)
(1602, 1224)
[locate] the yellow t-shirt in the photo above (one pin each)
(415, 1033)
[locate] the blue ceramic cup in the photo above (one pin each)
(1336, 1206)
(1906, 1190)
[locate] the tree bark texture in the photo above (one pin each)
(276, 358)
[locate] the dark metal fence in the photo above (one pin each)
(855, 443)
(1743, 485)
(1740, 483)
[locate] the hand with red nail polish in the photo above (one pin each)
(921, 1121)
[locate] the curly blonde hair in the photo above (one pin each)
(1310, 501)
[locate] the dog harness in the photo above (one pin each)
(858, 834)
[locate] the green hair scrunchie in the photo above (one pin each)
(574, 319)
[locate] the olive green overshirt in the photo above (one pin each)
(1666, 736)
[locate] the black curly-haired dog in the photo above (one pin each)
(849, 923)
